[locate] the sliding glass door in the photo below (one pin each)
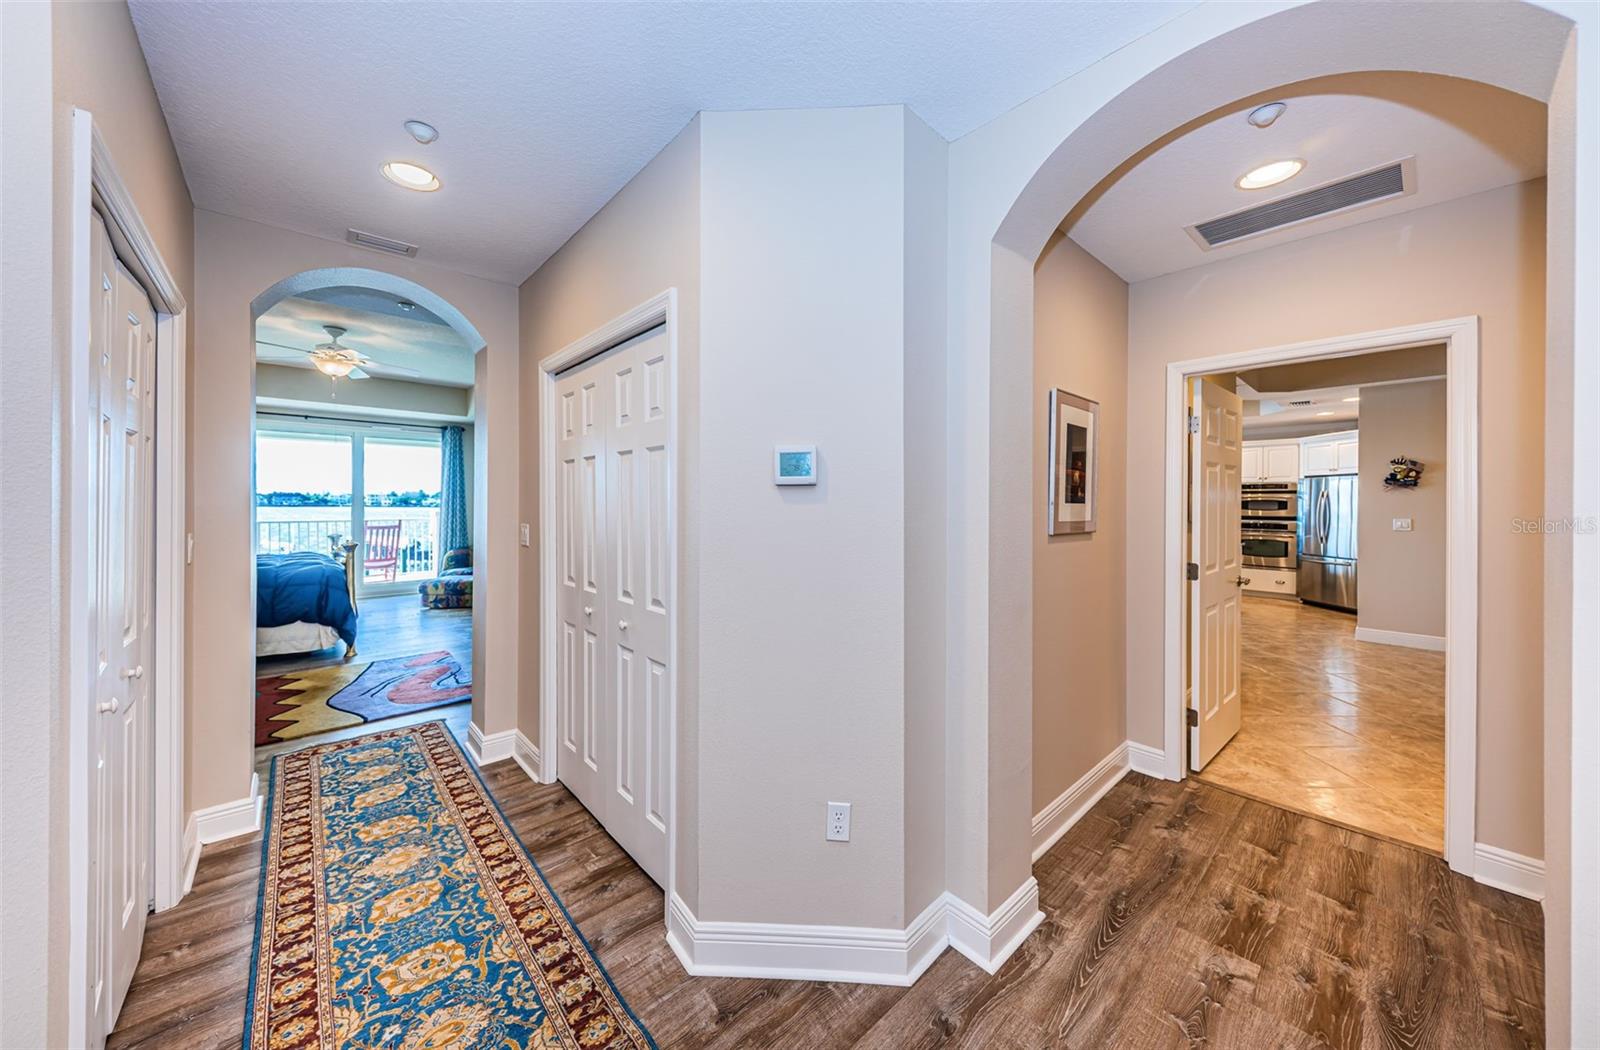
(319, 483)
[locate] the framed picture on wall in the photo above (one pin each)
(1074, 463)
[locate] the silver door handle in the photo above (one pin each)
(109, 707)
(588, 610)
(622, 625)
(1240, 581)
(137, 672)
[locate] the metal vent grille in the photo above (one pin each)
(1366, 188)
(380, 244)
(1300, 404)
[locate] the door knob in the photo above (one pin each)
(109, 707)
(1240, 581)
(137, 672)
(588, 610)
(622, 625)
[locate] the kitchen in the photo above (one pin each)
(1342, 685)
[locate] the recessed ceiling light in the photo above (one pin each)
(411, 176)
(1270, 174)
(1324, 413)
(422, 131)
(1265, 116)
(1348, 400)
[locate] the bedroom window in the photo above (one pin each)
(318, 484)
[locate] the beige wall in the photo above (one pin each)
(53, 57)
(643, 242)
(238, 261)
(1480, 255)
(1402, 574)
(1080, 344)
(302, 389)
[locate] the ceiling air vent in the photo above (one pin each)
(380, 244)
(1302, 403)
(1370, 187)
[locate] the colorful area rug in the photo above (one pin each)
(399, 910)
(301, 703)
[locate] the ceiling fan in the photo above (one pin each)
(335, 360)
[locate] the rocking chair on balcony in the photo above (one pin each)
(383, 549)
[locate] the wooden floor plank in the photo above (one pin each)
(1177, 915)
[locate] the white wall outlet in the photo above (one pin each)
(838, 822)
(1401, 525)
(527, 535)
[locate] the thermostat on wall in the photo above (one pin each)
(794, 464)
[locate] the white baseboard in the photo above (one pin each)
(230, 819)
(527, 756)
(1051, 822)
(191, 854)
(485, 748)
(1410, 641)
(989, 940)
(855, 954)
(1151, 761)
(1508, 871)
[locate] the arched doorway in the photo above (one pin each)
(400, 447)
(1011, 184)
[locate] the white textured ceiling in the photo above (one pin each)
(1467, 137)
(414, 340)
(283, 112)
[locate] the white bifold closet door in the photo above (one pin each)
(613, 502)
(122, 343)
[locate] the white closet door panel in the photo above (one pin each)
(637, 510)
(614, 497)
(125, 513)
(580, 620)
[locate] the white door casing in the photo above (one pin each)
(613, 644)
(1215, 451)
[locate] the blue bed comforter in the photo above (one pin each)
(303, 586)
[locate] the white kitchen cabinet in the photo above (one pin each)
(1330, 454)
(1270, 461)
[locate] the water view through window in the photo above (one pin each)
(317, 488)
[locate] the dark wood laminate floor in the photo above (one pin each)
(1177, 915)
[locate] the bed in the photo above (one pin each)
(306, 602)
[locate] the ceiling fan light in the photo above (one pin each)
(332, 366)
(411, 176)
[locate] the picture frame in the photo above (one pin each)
(1074, 464)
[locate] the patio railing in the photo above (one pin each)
(418, 554)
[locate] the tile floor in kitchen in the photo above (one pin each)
(1351, 732)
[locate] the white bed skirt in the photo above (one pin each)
(297, 637)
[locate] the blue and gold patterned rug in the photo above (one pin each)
(399, 910)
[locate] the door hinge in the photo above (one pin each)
(1194, 423)
(1192, 717)
(1192, 571)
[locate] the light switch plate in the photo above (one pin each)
(1401, 525)
(527, 535)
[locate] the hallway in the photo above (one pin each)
(1176, 915)
(1350, 732)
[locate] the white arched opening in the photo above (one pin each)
(378, 280)
(1011, 183)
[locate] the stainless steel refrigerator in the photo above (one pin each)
(1327, 540)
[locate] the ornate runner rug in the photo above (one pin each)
(399, 910)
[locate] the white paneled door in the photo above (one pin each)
(613, 505)
(1215, 454)
(122, 347)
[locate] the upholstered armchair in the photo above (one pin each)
(452, 588)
